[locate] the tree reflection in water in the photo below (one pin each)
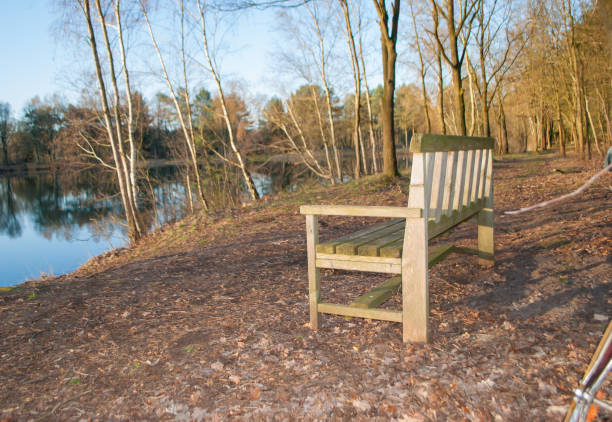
(54, 222)
(75, 214)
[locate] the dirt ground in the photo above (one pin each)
(207, 319)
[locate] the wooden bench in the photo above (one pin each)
(451, 182)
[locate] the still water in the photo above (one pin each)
(50, 224)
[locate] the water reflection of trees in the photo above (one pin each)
(62, 204)
(57, 204)
(9, 223)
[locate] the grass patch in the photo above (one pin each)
(192, 348)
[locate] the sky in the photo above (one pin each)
(29, 57)
(33, 62)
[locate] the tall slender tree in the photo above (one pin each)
(388, 41)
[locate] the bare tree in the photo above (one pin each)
(241, 164)
(497, 55)
(185, 121)
(367, 94)
(311, 60)
(111, 114)
(422, 69)
(456, 24)
(570, 21)
(350, 39)
(388, 41)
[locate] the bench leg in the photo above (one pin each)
(486, 244)
(415, 283)
(314, 275)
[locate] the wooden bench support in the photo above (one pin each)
(415, 283)
(382, 314)
(451, 182)
(378, 295)
(314, 275)
(486, 248)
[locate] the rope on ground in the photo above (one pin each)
(563, 197)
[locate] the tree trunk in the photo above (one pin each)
(134, 232)
(456, 70)
(593, 131)
(421, 71)
(441, 93)
(389, 57)
(357, 87)
(388, 103)
(187, 134)
(228, 124)
(369, 108)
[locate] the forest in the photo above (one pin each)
(535, 75)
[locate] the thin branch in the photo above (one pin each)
(563, 197)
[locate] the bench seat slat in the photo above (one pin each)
(390, 245)
(372, 248)
(351, 246)
(330, 246)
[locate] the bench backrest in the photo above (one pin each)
(450, 173)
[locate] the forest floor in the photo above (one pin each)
(207, 318)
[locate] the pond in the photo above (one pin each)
(50, 224)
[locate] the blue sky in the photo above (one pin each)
(29, 55)
(34, 63)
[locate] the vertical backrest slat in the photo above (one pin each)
(488, 185)
(430, 164)
(470, 178)
(483, 173)
(437, 185)
(460, 179)
(451, 183)
(477, 170)
(416, 195)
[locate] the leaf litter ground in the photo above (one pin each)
(207, 319)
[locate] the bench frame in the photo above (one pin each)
(451, 182)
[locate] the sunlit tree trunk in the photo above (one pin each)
(357, 89)
(592, 125)
(113, 133)
(323, 74)
(368, 105)
(189, 140)
(230, 131)
(388, 40)
(455, 24)
(130, 118)
(422, 70)
(441, 92)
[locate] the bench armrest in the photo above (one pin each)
(361, 211)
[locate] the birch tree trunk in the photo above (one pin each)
(187, 134)
(230, 132)
(113, 133)
(323, 74)
(421, 71)
(357, 89)
(368, 104)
